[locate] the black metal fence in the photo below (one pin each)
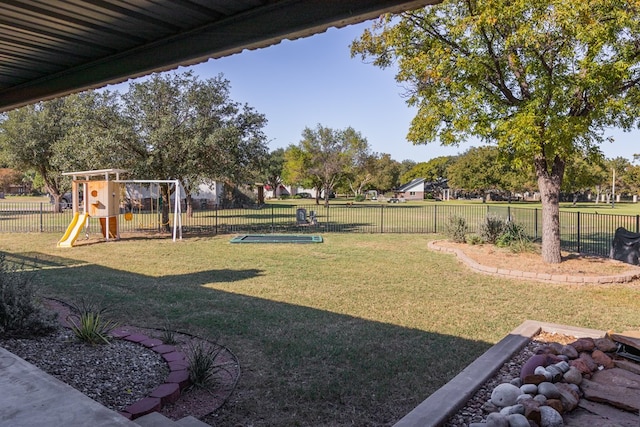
(580, 232)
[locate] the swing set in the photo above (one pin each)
(103, 195)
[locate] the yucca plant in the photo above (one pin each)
(88, 323)
(202, 363)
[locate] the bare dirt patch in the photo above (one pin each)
(572, 263)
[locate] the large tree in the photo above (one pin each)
(190, 130)
(323, 157)
(78, 132)
(541, 79)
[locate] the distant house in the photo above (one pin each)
(413, 190)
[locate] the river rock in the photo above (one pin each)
(532, 410)
(563, 366)
(581, 366)
(605, 344)
(602, 359)
(505, 395)
(555, 348)
(549, 390)
(555, 373)
(516, 382)
(534, 379)
(515, 409)
(524, 397)
(529, 388)
(518, 420)
(583, 344)
(573, 375)
(496, 419)
(541, 399)
(549, 417)
(569, 351)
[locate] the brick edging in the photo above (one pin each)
(541, 277)
(167, 392)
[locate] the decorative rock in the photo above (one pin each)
(573, 375)
(518, 420)
(541, 399)
(549, 390)
(534, 379)
(593, 366)
(516, 382)
(602, 359)
(605, 344)
(555, 373)
(524, 397)
(529, 388)
(581, 366)
(555, 348)
(489, 407)
(555, 404)
(505, 395)
(532, 410)
(496, 419)
(515, 409)
(540, 370)
(583, 344)
(537, 360)
(569, 351)
(549, 417)
(563, 366)
(568, 396)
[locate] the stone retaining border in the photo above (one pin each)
(541, 277)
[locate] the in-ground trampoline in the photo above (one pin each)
(276, 238)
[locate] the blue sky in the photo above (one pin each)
(311, 81)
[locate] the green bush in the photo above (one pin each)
(456, 229)
(359, 198)
(474, 239)
(491, 228)
(88, 323)
(515, 237)
(202, 363)
(21, 311)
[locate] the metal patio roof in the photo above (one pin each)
(50, 48)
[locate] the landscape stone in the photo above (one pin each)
(532, 410)
(620, 417)
(573, 375)
(549, 390)
(534, 379)
(505, 395)
(556, 404)
(549, 417)
(605, 344)
(515, 409)
(628, 366)
(524, 397)
(555, 348)
(569, 351)
(620, 397)
(536, 360)
(589, 361)
(529, 388)
(518, 420)
(568, 396)
(602, 359)
(581, 366)
(583, 344)
(496, 419)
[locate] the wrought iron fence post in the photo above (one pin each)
(41, 218)
(535, 222)
(381, 219)
(637, 223)
(215, 209)
(272, 220)
(509, 213)
(435, 219)
(578, 237)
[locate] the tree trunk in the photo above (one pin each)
(549, 183)
(189, 203)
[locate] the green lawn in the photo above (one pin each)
(356, 330)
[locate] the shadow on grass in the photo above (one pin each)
(301, 365)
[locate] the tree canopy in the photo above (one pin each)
(541, 79)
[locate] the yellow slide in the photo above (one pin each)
(73, 231)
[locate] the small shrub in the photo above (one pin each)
(168, 335)
(88, 323)
(21, 311)
(491, 228)
(514, 237)
(456, 229)
(474, 239)
(202, 363)
(359, 198)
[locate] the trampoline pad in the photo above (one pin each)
(276, 238)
